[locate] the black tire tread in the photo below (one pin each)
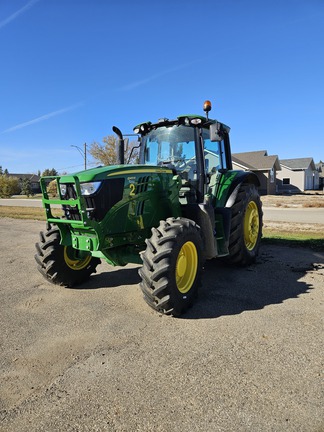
(238, 254)
(155, 272)
(51, 264)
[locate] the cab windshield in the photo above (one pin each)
(171, 146)
(174, 147)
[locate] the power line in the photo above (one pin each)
(76, 166)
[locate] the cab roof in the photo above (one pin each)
(185, 119)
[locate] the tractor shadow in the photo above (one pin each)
(275, 277)
(112, 277)
(229, 290)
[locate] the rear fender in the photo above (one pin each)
(230, 185)
(248, 177)
(226, 197)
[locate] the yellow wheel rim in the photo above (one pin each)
(251, 225)
(186, 267)
(73, 261)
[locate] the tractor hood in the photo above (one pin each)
(104, 172)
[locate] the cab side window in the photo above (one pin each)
(212, 154)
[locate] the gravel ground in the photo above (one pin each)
(247, 357)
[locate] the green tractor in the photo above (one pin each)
(183, 204)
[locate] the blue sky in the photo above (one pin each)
(71, 69)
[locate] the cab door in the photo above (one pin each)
(216, 160)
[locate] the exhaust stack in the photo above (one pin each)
(120, 146)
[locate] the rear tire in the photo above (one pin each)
(172, 265)
(246, 226)
(62, 265)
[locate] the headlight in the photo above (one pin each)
(63, 189)
(89, 188)
(195, 121)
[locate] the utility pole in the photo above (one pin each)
(85, 156)
(83, 153)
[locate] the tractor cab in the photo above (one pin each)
(195, 148)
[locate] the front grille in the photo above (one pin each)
(142, 184)
(98, 204)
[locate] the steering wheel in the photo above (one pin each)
(180, 164)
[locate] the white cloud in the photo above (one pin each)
(42, 118)
(19, 12)
(139, 83)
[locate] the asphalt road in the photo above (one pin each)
(21, 202)
(247, 357)
(298, 214)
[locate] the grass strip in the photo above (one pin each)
(313, 240)
(34, 213)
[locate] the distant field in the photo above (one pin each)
(34, 213)
(315, 200)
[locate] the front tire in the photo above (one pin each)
(172, 265)
(62, 265)
(246, 226)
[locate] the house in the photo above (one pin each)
(320, 169)
(297, 175)
(33, 178)
(265, 167)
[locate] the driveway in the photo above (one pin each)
(247, 357)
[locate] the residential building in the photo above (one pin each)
(33, 178)
(320, 169)
(297, 175)
(265, 167)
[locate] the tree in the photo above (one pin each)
(49, 172)
(3, 171)
(106, 153)
(52, 188)
(26, 188)
(8, 186)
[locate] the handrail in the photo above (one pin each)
(78, 202)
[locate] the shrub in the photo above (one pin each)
(8, 186)
(315, 203)
(52, 188)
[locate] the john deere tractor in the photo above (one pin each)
(183, 204)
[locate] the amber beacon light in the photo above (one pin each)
(207, 106)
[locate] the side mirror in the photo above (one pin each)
(215, 133)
